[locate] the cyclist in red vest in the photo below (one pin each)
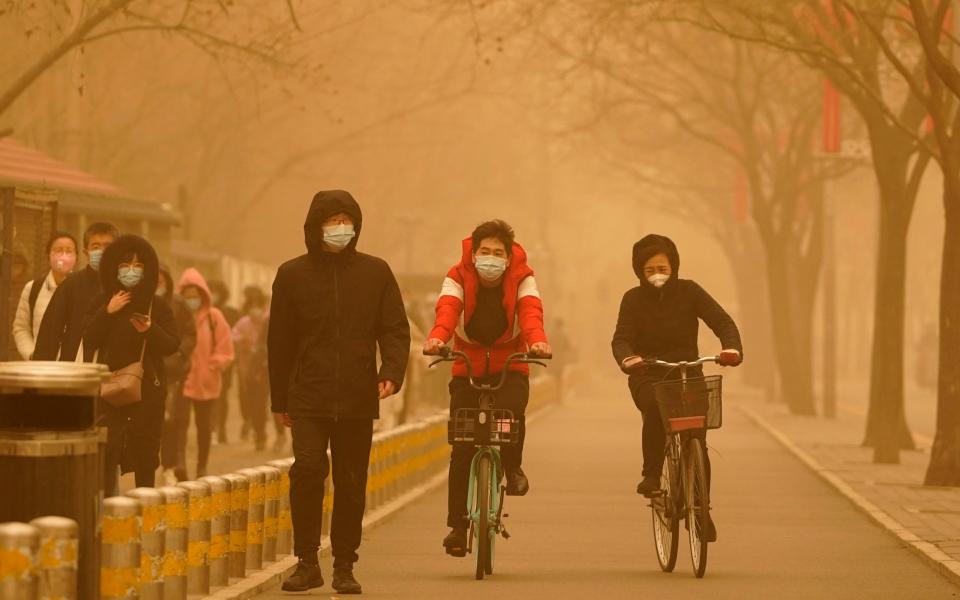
(489, 303)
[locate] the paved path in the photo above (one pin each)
(583, 532)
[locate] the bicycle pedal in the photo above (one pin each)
(505, 534)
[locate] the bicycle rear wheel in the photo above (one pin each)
(484, 476)
(666, 518)
(698, 504)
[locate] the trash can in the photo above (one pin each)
(51, 452)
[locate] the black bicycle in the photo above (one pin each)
(486, 428)
(688, 406)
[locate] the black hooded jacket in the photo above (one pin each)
(329, 313)
(663, 323)
(114, 337)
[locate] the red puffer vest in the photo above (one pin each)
(521, 301)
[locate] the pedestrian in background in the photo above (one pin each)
(177, 365)
(211, 357)
(61, 330)
(62, 257)
(220, 298)
(253, 390)
(129, 321)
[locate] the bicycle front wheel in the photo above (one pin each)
(484, 484)
(666, 518)
(698, 504)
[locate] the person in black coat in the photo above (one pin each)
(332, 307)
(660, 319)
(128, 318)
(61, 329)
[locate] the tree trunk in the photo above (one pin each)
(887, 430)
(944, 467)
(760, 370)
(792, 328)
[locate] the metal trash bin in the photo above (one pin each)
(51, 451)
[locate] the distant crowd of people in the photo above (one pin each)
(125, 307)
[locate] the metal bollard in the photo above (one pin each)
(175, 513)
(153, 533)
(255, 518)
(284, 517)
(219, 530)
(373, 476)
(57, 558)
(198, 537)
(326, 517)
(271, 506)
(19, 544)
(239, 506)
(120, 548)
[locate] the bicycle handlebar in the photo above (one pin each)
(449, 355)
(694, 363)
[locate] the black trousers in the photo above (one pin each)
(253, 404)
(203, 413)
(514, 396)
(349, 441)
(133, 442)
(654, 436)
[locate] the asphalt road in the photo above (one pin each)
(583, 532)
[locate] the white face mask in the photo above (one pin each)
(490, 268)
(658, 280)
(338, 236)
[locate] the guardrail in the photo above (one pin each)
(198, 536)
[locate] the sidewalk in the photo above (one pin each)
(925, 518)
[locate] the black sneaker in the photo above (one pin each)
(344, 582)
(649, 486)
(306, 577)
(456, 542)
(517, 483)
(711, 530)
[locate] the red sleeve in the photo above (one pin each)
(530, 312)
(449, 307)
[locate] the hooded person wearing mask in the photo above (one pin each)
(129, 319)
(660, 319)
(332, 307)
(212, 355)
(61, 329)
(177, 366)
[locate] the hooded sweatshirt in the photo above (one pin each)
(213, 352)
(521, 303)
(663, 323)
(329, 314)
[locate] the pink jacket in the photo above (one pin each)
(246, 335)
(214, 350)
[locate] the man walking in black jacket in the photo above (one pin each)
(61, 330)
(331, 308)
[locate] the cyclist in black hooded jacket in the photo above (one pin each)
(660, 319)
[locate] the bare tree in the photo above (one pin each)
(206, 24)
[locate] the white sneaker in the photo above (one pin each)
(169, 478)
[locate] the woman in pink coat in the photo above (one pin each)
(211, 356)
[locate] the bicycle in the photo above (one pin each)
(485, 428)
(688, 406)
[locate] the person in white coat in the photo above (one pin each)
(62, 253)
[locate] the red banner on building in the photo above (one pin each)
(831, 117)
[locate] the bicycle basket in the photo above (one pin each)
(477, 427)
(690, 403)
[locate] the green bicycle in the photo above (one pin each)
(486, 428)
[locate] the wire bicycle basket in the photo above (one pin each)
(479, 427)
(694, 403)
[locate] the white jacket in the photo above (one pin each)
(24, 335)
